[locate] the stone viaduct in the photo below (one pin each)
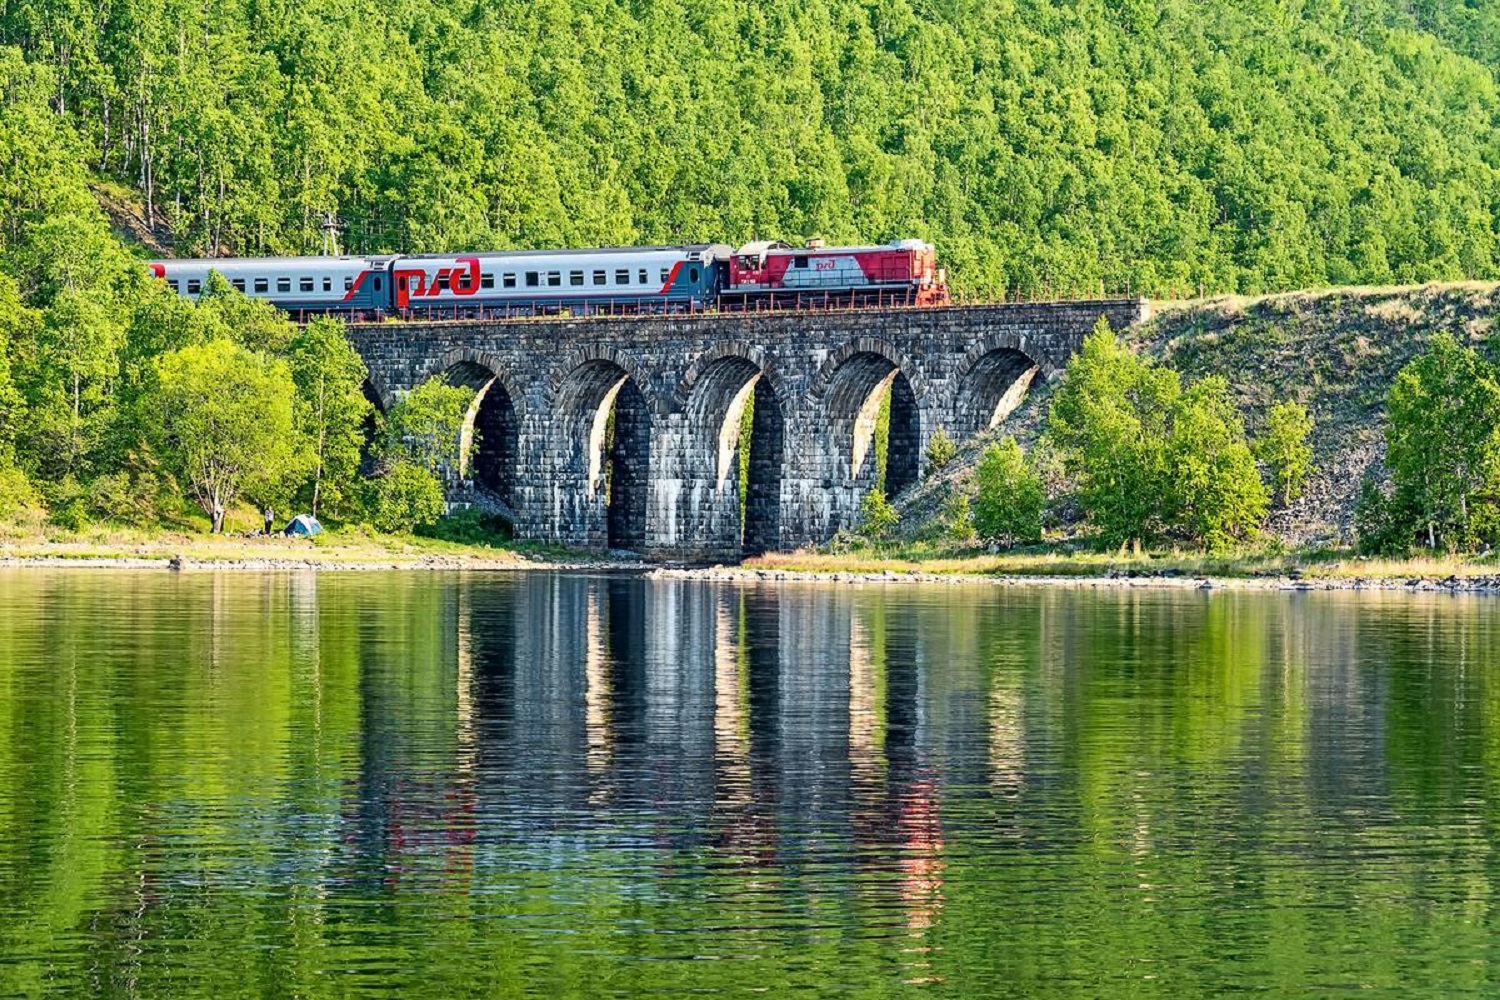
(625, 432)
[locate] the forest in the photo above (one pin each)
(1045, 146)
(1164, 147)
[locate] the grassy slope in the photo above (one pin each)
(1334, 351)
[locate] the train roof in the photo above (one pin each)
(567, 252)
(716, 249)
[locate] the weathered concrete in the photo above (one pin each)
(662, 477)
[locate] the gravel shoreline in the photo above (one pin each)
(1487, 585)
(1168, 580)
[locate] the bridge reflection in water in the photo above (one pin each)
(612, 713)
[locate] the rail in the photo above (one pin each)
(727, 307)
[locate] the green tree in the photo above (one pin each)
(1443, 438)
(223, 422)
(1284, 450)
(331, 408)
(1217, 494)
(425, 426)
(1009, 499)
(404, 497)
(1150, 458)
(1111, 417)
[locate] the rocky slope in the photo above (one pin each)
(1335, 351)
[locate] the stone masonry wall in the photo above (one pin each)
(552, 380)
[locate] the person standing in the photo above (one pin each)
(270, 516)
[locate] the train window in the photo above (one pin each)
(645, 277)
(377, 283)
(601, 278)
(305, 284)
(575, 278)
(486, 281)
(693, 275)
(262, 286)
(510, 281)
(172, 284)
(194, 286)
(533, 279)
(666, 276)
(442, 283)
(799, 261)
(622, 277)
(283, 285)
(401, 282)
(348, 283)
(327, 284)
(239, 284)
(554, 279)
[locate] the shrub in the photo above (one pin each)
(406, 497)
(16, 494)
(958, 516)
(877, 517)
(1383, 526)
(940, 452)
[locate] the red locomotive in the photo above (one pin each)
(902, 272)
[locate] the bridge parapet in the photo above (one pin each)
(624, 432)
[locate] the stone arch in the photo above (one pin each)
(993, 381)
(716, 395)
(490, 439)
(880, 347)
(710, 359)
(586, 357)
(600, 442)
(848, 393)
(378, 395)
(466, 366)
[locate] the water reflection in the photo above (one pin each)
(585, 785)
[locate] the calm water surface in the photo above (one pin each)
(542, 785)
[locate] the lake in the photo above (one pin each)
(555, 785)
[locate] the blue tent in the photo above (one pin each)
(303, 524)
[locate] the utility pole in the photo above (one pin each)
(331, 226)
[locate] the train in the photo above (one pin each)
(621, 280)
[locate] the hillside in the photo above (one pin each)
(1155, 145)
(1336, 352)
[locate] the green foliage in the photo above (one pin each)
(1150, 458)
(940, 451)
(1443, 440)
(1009, 498)
(331, 411)
(16, 493)
(1383, 524)
(406, 496)
(1167, 144)
(223, 421)
(877, 516)
(1217, 495)
(469, 527)
(424, 427)
(1284, 450)
(958, 518)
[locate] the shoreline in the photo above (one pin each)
(1479, 584)
(1475, 585)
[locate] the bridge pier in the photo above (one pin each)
(626, 433)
